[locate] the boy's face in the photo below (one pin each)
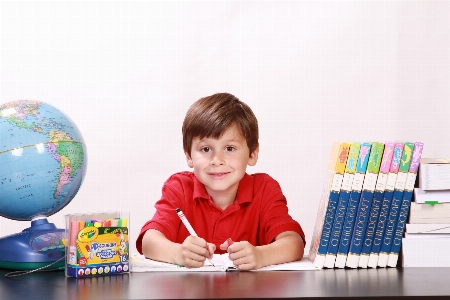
(221, 163)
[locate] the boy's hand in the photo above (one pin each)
(244, 255)
(194, 251)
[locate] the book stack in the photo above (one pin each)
(364, 205)
(434, 174)
(427, 236)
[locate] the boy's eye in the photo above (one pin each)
(229, 148)
(205, 149)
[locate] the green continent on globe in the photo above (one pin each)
(68, 153)
(74, 152)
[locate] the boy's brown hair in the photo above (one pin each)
(211, 116)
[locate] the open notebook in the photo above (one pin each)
(221, 264)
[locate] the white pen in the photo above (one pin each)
(188, 226)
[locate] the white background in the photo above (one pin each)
(312, 71)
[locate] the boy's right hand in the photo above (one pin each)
(194, 251)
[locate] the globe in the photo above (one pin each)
(42, 160)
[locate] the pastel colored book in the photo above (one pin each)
(344, 195)
(327, 205)
(385, 205)
(365, 204)
(404, 208)
(352, 206)
(397, 198)
(376, 204)
(222, 263)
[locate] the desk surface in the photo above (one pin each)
(338, 284)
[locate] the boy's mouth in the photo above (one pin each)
(218, 175)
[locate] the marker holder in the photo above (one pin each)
(98, 244)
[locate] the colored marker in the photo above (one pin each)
(81, 225)
(230, 242)
(123, 222)
(188, 225)
(74, 228)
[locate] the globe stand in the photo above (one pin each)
(33, 248)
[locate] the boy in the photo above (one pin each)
(220, 200)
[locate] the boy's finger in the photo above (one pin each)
(212, 249)
(226, 244)
(197, 241)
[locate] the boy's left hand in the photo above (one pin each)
(244, 255)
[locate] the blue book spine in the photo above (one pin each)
(324, 221)
(386, 203)
(328, 223)
(337, 228)
(390, 227)
(380, 187)
(352, 206)
(370, 230)
(399, 228)
(406, 203)
(400, 184)
(341, 209)
(359, 229)
(365, 204)
(347, 230)
(379, 231)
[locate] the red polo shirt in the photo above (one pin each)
(258, 214)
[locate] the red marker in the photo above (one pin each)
(230, 242)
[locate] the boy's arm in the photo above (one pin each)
(288, 246)
(191, 254)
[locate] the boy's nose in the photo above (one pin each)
(217, 160)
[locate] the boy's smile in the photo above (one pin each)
(215, 175)
(221, 163)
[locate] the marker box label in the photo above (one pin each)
(98, 244)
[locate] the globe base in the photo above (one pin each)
(34, 247)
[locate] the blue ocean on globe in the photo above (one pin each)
(43, 160)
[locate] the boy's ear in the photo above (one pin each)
(253, 157)
(189, 160)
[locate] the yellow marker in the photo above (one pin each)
(123, 222)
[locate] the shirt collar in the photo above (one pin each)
(244, 192)
(199, 190)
